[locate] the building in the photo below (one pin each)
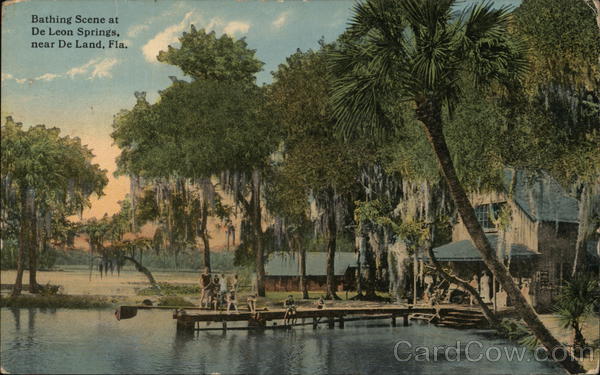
(538, 246)
(282, 271)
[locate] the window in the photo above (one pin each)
(486, 214)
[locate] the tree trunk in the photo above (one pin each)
(303, 284)
(362, 245)
(597, 6)
(23, 241)
(371, 268)
(331, 244)
(257, 222)
(204, 235)
(144, 270)
(33, 246)
(489, 315)
(429, 113)
(582, 229)
(578, 339)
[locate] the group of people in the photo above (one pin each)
(290, 309)
(220, 291)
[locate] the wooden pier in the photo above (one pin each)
(190, 319)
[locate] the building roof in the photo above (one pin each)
(548, 201)
(465, 251)
(288, 264)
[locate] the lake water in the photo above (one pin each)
(93, 341)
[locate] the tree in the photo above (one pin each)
(288, 202)
(564, 85)
(576, 302)
(415, 50)
(319, 163)
(51, 176)
(204, 129)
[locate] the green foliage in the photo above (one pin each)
(576, 300)
(415, 50)
(168, 289)
(203, 56)
(58, 169)
(563, 41)
(314, 158)
(175, 301)
(516, 330)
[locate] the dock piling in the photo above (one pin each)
(331, 321)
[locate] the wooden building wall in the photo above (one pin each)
(523, 229)
(292, 283)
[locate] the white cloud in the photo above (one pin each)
(96, 68)
(281, 20)
(136, 29)
(236, 26)
(103, 68)
(168, 36)
(213, 23)
(23, 80)
(6, 76)
(81, 69)
(47, 77)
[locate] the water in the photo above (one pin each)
(93, 341)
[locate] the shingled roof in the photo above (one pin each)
(465, 251)
(549, 201)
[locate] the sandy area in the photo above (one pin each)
(591, 332)
(78, 281)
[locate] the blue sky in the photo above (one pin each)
(79, 90)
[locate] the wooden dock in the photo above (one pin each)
(188, 321)
(191, 319)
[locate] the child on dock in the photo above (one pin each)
(251, 301)
(320, 303)
(290, 313)
(232, 301)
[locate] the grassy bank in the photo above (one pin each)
(56, 301)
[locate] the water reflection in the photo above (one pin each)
(84, 341)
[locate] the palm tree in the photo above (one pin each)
(575, 303)
(421, 51)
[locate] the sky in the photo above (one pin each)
(80, 90)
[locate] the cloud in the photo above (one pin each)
(168, 36)
(136, 29)
(6, 76)
(96, 68)
(23, 80)
(281, 20)
(47, 77)
(236, 26)
(103, 68)
(213, 23)
(81, 69)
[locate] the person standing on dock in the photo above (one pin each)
(234, 283)
(222, 289)
(206, 288)
(251, 301)
(290, 313)
(475, 284)
(485, 287)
